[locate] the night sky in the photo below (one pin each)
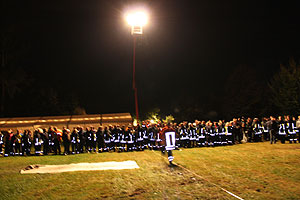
(189, 48)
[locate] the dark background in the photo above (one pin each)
(79, 54)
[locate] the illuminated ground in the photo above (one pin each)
(251, 171)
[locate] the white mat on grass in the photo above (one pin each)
(40, 169)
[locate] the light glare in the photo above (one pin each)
(137, 19)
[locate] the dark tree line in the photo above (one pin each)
(248, 93)
(285, 89)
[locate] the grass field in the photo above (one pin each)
(251, 171)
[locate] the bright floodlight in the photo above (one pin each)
(137, 19)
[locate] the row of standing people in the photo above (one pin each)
(116, 138)
(102, 139)
(79, 140)
(270, 129)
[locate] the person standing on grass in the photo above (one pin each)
(298, 128)
(130, 138)
(45, 139)
(81, 140)
(57, 140)
(122, 139)
(8, 140)
(210, 131)
(93, 139)
(1, 142)
(100, 140)
(183, 135)
(202, 134)
(107, 139)
(152, 138)
(115, 133)
(291, 129)
(37, 142)
(89, 139)
(192, 135)
(257, 130)
(74, 139)
(139, 138)
(228, 133)
(17, 142)
(167, 135)
(282, 129)
(26, 143)
(265, 126)
(51, 139)
(145, 136)
(66, 137)
(273, 129)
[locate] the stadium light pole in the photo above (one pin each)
(136, 20)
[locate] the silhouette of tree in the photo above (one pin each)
(285, 89)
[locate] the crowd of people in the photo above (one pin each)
(43, 141)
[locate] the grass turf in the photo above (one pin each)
(251, 171)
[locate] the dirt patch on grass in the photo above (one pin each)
(137, 191)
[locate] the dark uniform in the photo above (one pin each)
(1, 142)
(26, 143)
(221, 133)
(81, 140)
(139, 138)
(291, 130)
(122, 139)
(202, 136)
(249, 130)
(88, 136)
(130, 138)
(7, 140)
(183, 132)
(257, 130)
(210, 131)
(115, 133)
(152, 134)
(66, 137)
(266, 130)
(45, 139)
(228, 133)
(57, 140)
(192, 136)
(112, 138)
(145, 136)
(100, 140)
(93, 139)
(74, 141)
(282, 130)
(236, 131)
(107, 139)
(37, 140)
(273, 130)
(158, 139)
(217, 132)
(51, 139)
